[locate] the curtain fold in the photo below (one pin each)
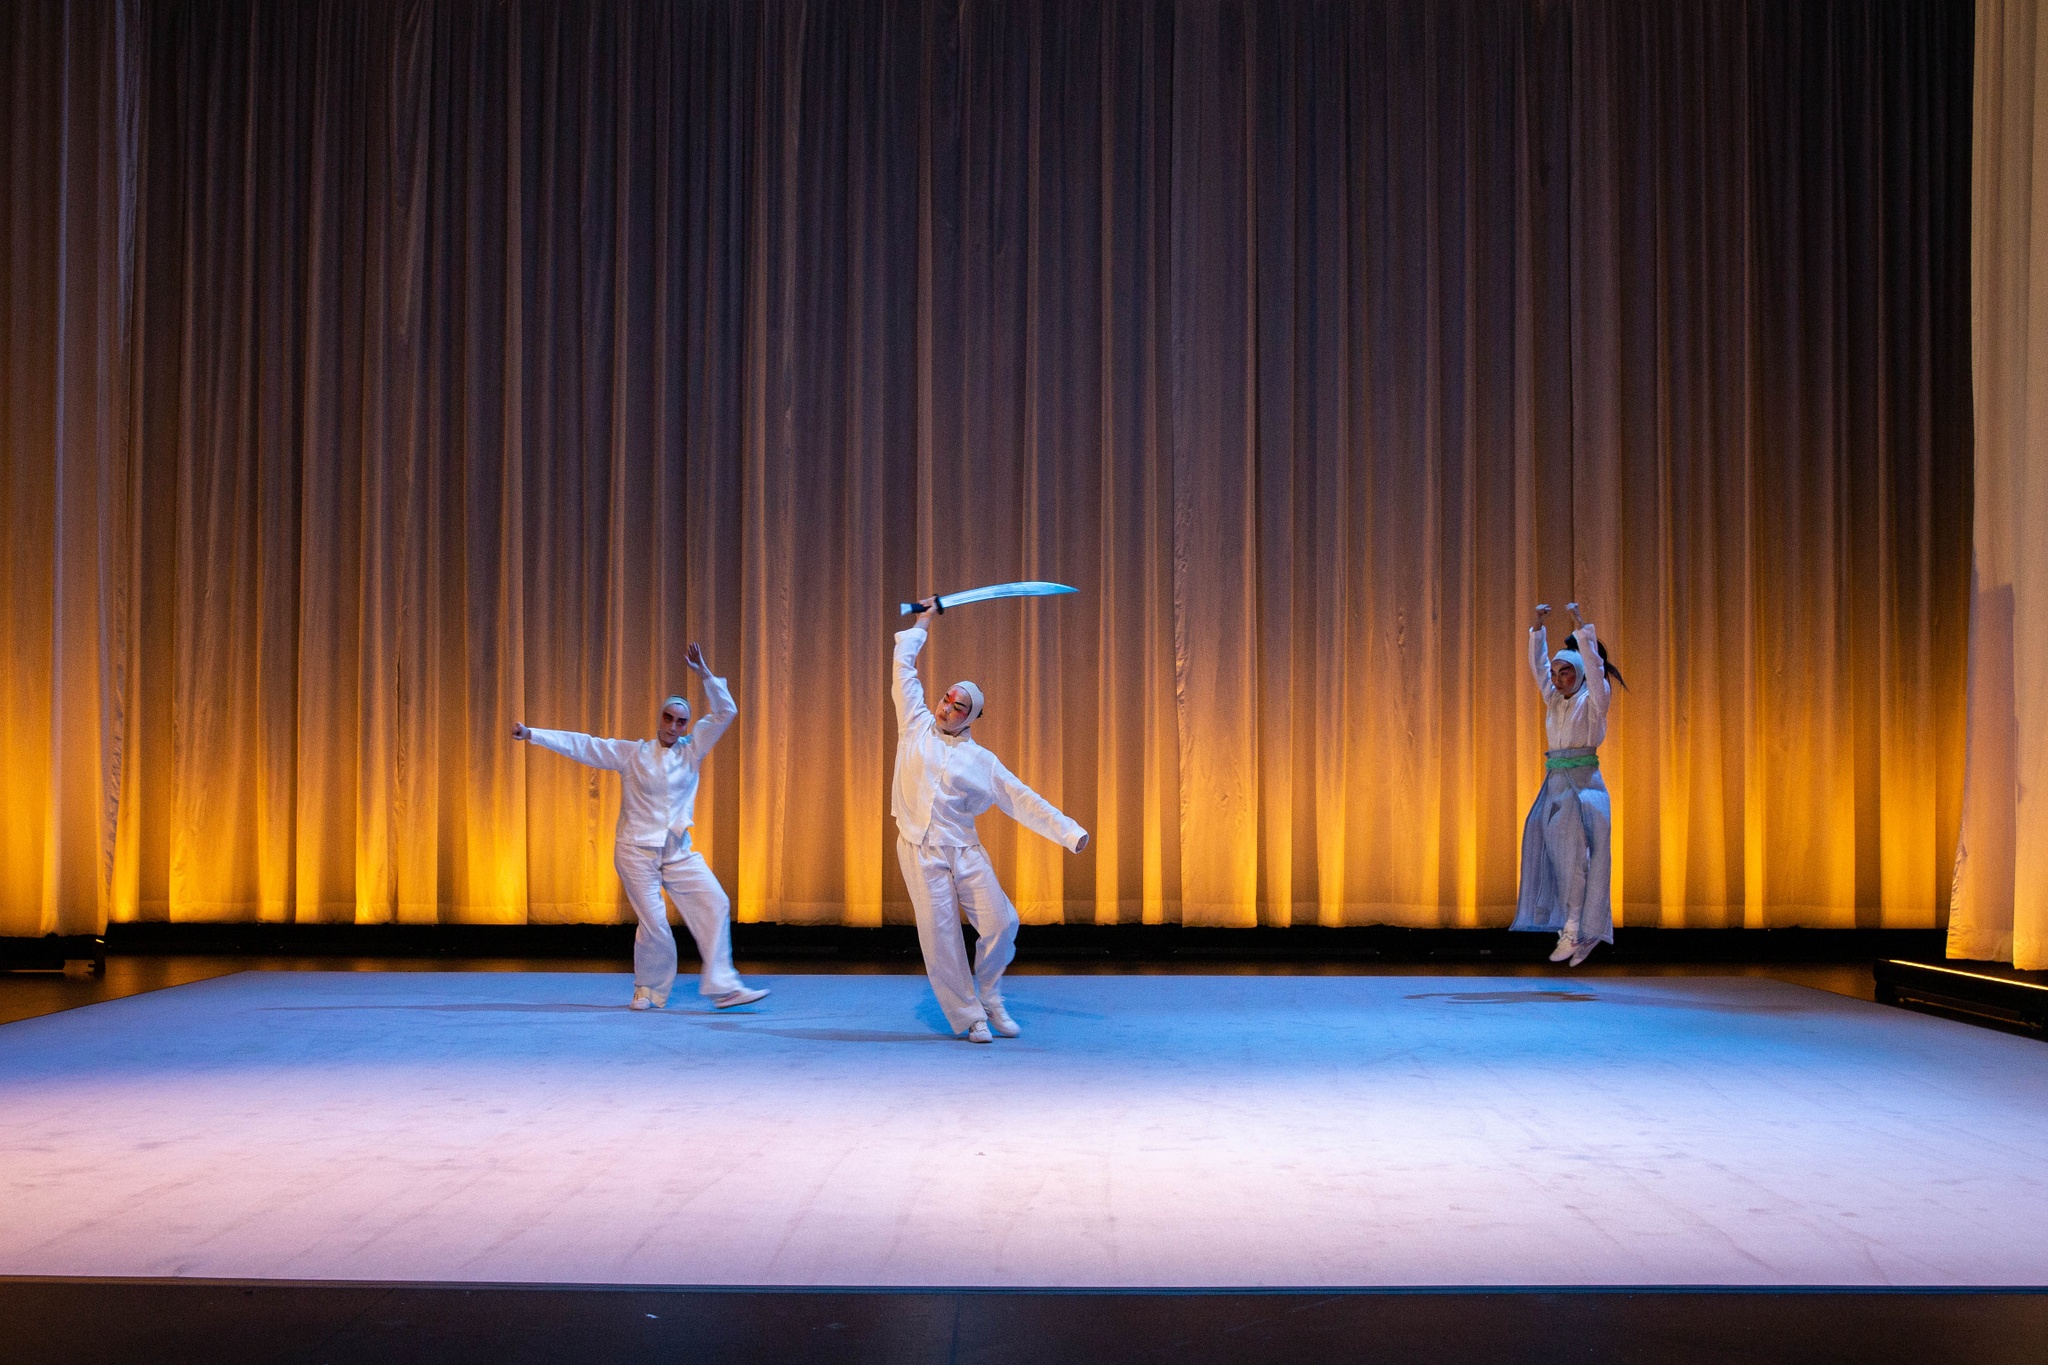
(2000, 906)
(70, 219)
(490, 353)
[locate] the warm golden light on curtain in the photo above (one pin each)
(2000, 908)
(70, 79)
(488, 354)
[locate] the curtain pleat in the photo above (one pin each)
(485, 355)
(71, 198)
(2000, 907)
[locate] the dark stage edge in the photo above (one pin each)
(57, 1320)
(1050, 943)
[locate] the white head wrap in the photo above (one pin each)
(1578, 663)
(974, 703)
(675, 701)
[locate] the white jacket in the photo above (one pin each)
(943, 781)
(1580, 720)
(658, 787)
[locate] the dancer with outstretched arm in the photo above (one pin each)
(943, 780)
(1567, 855)
(657, 806)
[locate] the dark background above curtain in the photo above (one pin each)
(474, 358)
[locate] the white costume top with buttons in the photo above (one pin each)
(1578, 721)
(943, 781)
(658, 787)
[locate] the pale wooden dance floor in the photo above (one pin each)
(1146, 1131)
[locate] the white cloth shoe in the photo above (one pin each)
(1566, 946)
(643, 999)
(979, 1033)
(999, 1019)
(745, 995)
(1584, 951)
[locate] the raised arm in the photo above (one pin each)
(719, 716)
(907, 687)
(1598, 690)
(718, 719)
(1035, 813)
(585, 749)
(1539, 655)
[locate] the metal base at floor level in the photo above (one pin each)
(1987, 992)
(54, 953)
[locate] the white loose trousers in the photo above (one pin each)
(1577, 834)
(947, 885)
(700, 899)
(1568, 858)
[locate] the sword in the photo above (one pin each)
(990, 594)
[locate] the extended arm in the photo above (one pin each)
(1035, 813)
(585, 749)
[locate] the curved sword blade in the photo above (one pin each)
(991, 593)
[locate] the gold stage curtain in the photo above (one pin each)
(2000, 909)
(489, 353)
(70, 90)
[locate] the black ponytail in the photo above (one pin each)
(1608, 664)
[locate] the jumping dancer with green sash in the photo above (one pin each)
(1567, 852)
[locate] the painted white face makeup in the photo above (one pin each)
(674, 723)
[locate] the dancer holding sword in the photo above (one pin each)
(943, 781)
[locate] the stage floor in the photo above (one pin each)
(1147, 1131)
